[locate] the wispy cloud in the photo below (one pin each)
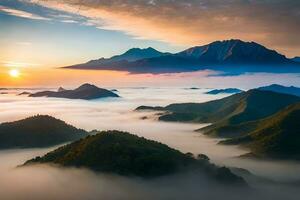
(24, 43)
(191, 22)
(21, 13)
(18, 64)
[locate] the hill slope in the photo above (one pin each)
(130, 155)
(229, 112)
(85, 91)
(37, 131)
(277, 136)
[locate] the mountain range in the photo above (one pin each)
(228, 55)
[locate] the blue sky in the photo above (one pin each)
(56, 38)
(60, 32)
(37, 36)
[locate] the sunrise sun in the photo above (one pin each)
(14, 73)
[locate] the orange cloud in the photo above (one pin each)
(195, 22)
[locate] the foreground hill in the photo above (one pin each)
(85, 91)
(37, 131)
(130, 155)
(282, 89)
(277, 136)
(233, 56)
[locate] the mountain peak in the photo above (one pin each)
(141, 49)
(87, 86)
(234, 51)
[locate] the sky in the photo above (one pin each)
(40, 35)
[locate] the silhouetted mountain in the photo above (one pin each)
(282, 89)
(296, 59)
(85, 91)
(123, 59)
(224, 91)
(228, 55)
(60, 89)
(130, 155)
(37, 131)
(234, 52)
(277, 136)
(24, 93)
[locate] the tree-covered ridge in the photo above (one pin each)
(37, 131)
(266, 122)
(277, 136)
(129, 155)
(235, 109)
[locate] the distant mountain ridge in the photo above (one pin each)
(222, 55)
(224, 91)
(296, 59)
(131, 55)
(282, 89)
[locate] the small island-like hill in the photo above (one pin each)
(85, 91)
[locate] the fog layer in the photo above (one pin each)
(48, 182)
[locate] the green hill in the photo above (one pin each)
(130, 155)
(37, 131)
(277, 136)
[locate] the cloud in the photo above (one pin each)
(21, 13)
(18, 64)
(191, 22)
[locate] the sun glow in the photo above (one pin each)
(14, 73)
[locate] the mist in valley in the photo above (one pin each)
(52, 182)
